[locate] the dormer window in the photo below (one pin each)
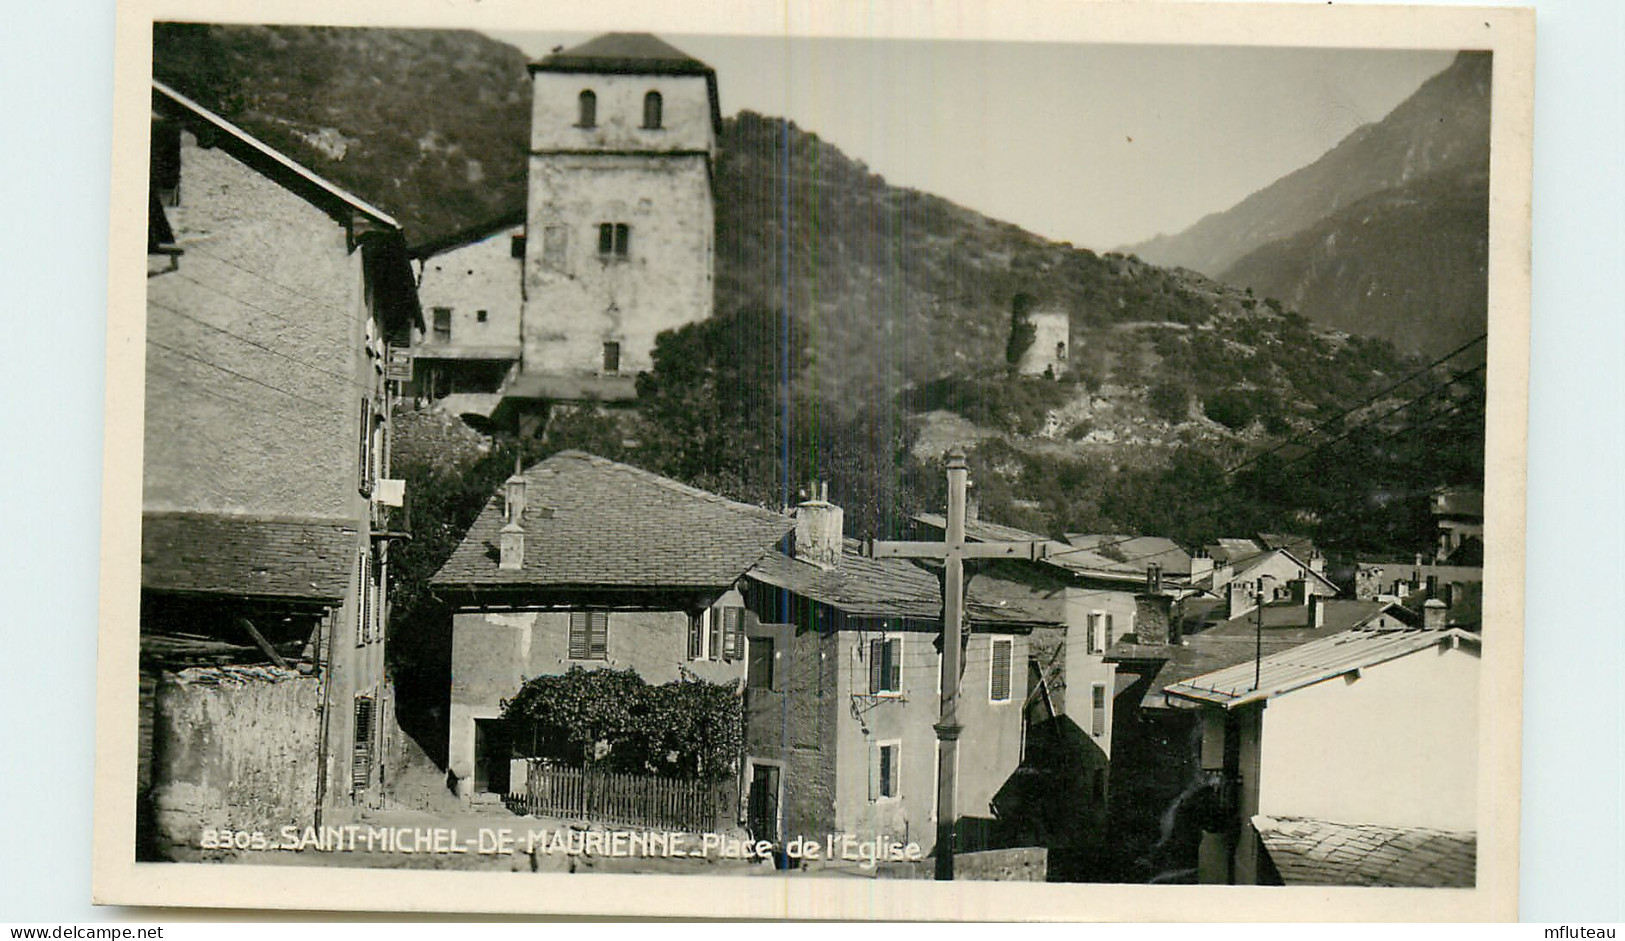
(651, 111)
(587, 115)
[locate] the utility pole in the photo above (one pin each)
(953, 550)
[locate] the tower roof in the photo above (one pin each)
(631, 53)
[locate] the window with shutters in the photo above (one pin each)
(364, 732)
(998, 687)
(886, 666)
(362, 626)
(364, 455)
(1100, 631)
(612, 357)
(1097, 709)
(589, 635)
(885, 770)
(614, 241)
(717, 634)
(442, 325)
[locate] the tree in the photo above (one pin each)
(1022, 331)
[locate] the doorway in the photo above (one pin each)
(492, 752)
(762, 808)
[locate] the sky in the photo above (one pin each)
(1127, 141)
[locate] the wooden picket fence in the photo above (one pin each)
(628, 800)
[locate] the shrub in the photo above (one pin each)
(1169, 401)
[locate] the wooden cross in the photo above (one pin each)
(953, 550)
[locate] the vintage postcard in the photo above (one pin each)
(767, 461)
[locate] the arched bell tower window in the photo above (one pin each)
(651, 110)
(588, 116)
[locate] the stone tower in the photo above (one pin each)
(620, 220)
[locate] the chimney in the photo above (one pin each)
(1201, 565)
(820, 525)
(1317, 612)
(1433, 587)
(1222, 573)
(512, 547)
(513, 495)
(1298, 590)
(1317, 563)
(1433, 615)
(1153, 579)
(1153, 619)
(1241, 599)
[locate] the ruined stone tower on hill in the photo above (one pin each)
(620, 216)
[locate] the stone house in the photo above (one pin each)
(843, 694)
(582, 561)
(1349, 760)
(272, 297)
(469, 284)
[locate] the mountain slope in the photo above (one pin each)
(1444, 124)
(1408, 264)
(430, 125)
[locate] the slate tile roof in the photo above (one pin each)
(590, 521)
(209, 553)
(1135, 553)
(638, 53)
(1070, 558)
(866, 587)
(1235, 641)
(1310, 663)
(1307, 851)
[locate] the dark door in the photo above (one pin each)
(763, 807)
(492, 751)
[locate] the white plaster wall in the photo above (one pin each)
(1396, 747)
(1049, 328)
(1083, 669)
(482, 275)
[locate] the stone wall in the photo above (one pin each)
(234, 747)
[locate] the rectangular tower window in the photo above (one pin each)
(614, 240)
(612, 357)
(516, 246)
(442, 324)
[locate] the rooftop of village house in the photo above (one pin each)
(590, 521)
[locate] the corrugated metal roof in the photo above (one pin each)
(1307, 851)
(590, 521)
(1310, 663)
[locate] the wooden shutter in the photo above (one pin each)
(360, 595)
(894, 666)
(1107, 635)
(1097, 695)
(874, 770)
(623, 239)
(696, 635)
(364, 454)
(877, 666)
(606, 238)
(999, 685)
(598, 635)
(578, 635)
(733, 633)
(361, 760)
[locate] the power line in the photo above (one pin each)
(1359, 405)
(254, 343)
(233, 372)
